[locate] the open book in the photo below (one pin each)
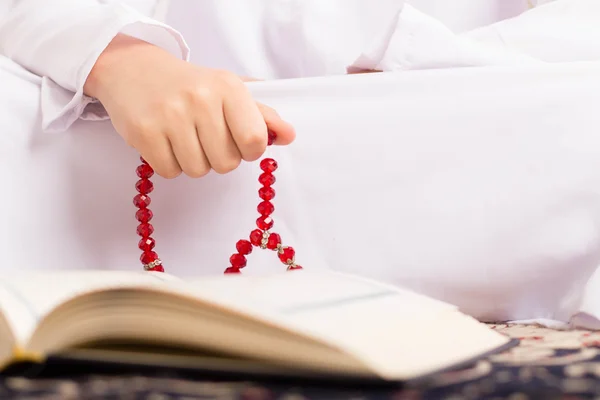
(293, 322)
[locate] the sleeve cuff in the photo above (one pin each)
(61, 107)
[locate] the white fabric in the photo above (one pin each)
(464, 15)
(561, 30)
(478, 186)
(271, 39)
(418, 41)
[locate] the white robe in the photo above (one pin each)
(478, 186)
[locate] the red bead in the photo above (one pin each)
(256, 237)
(266, 193)
(142, 160)
(144, 186)
(158, 268)
(265, 208)
(244, 247)
(145, 229)
(266, 179)
(273, 241)
(144, 215)
(148, 256)
(144, 171)
(237, 261)
(264, 222)
(294, 267)
(141, 201)
(286, 255)
(272, 137)
(232, 270)
(268, 165)
(146, 244)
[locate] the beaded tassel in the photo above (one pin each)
(261, 237)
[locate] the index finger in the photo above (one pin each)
(246, 123)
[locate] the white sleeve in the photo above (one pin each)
(61, 40)
(554, 31)
(415, 40)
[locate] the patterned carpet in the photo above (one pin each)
(547, 365)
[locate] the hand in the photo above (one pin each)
(181, 117)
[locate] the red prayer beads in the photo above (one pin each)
(260, 237)
(144, 186)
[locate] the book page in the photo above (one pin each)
(288, 293)
(26, 298)
(393, 331)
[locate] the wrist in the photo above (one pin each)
(115, 58)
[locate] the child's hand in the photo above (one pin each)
(181, 117)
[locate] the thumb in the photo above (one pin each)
(284, 131)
